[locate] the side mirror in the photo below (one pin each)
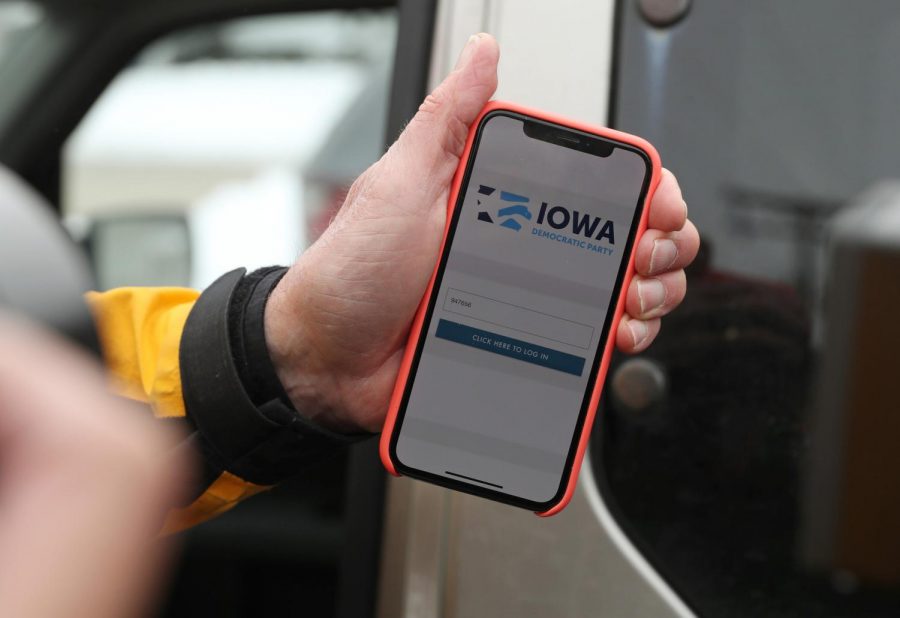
(139, 250)
(42, 273)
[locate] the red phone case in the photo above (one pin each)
(418, 321)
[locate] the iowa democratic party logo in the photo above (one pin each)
(581, 230)
(509, 216)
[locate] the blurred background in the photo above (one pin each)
(228, 144)
(745, 465)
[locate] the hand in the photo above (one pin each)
(84, 482)
(337, 323)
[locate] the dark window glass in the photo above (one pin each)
(754, 452)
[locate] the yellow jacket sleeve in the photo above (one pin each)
(140, 332)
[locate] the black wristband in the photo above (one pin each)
(262, 442)
(247, 331)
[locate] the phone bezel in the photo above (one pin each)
(472, 488)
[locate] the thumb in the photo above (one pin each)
(435, 138)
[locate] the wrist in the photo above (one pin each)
(242, 419)
(308, 378)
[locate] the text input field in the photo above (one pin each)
(517, 318)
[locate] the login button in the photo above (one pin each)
(509, 347)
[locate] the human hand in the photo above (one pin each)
(84, 483)
(337, 324)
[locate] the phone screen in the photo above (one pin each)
(518, 319)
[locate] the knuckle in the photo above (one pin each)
(357, 191)
(456, 135)
(452, 130)
(432, 104)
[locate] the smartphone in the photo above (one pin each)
(508, 351)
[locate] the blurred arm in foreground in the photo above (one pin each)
(84, 484)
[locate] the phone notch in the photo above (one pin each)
(568, 138)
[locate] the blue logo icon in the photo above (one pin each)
(508, 215)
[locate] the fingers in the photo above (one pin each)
(431, 145)
(448, 111)
(668, 210)
(659, 252)
(647, 300)
(654, 297)
(635, 335)
(666, 248)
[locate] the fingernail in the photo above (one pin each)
(467, 51)
(684, 203)
(639, 331)
(663, 255)
(652, 294)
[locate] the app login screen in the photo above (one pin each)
(520, 310)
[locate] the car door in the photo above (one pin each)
(761, 479)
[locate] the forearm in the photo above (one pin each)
(204, 359)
